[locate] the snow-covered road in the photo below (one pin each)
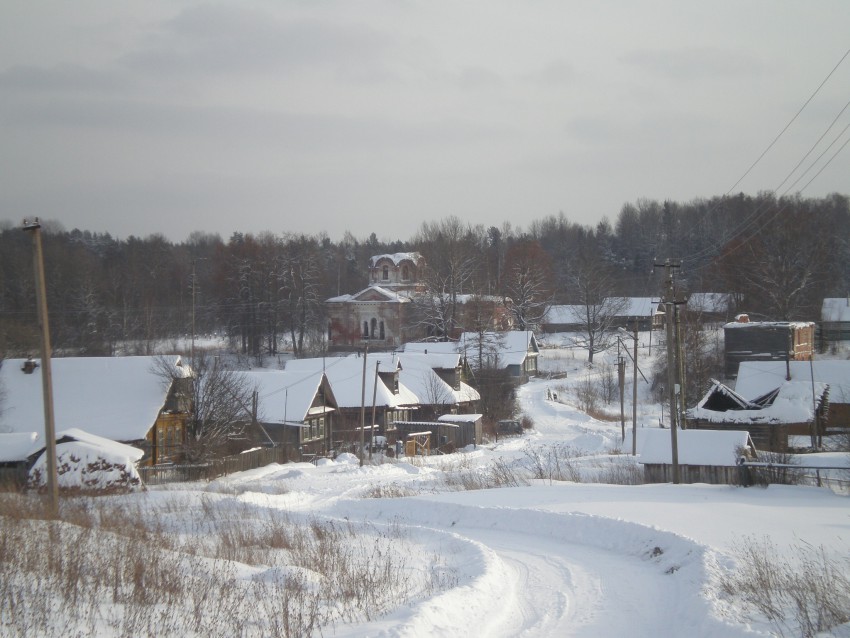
(555, 558)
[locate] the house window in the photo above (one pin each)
(365, 329)
(315, 429)
(374, 327)
(330, 333)
(383, 336)
(405, 273)
(386, 273)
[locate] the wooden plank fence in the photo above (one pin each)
(161, 474)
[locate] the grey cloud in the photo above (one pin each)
(230, 39)
(65, 78)
(694, 63)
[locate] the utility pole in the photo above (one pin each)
(374, 407)
(193, 317)
(680, 357)
(46, 373)
(621, 378)
(634, 389)
(363, 406)
(670, 300)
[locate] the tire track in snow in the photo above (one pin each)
(570, 575)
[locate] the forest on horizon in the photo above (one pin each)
(778, 257)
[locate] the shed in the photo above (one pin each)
(471, 430)
(705, 456)
(445, 437)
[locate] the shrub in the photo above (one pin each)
(802, 593)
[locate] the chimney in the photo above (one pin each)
(29, 366)
(743, 318)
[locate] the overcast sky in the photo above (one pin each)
(169, 116)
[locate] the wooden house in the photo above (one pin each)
(834, 321)
(704, 456)
(124, 399)
(770, 419)
(747, 340)
(294, 410)
(712, 307)
(374, 389)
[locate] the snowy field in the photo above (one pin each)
(487, 542)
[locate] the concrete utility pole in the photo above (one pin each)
(46, 374)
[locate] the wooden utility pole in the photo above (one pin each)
(669, 300)
(363, 406)
(634, 390)
(680, 358)
(374, 408)
(46, 374)
(621, 379)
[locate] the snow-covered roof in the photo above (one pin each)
(435, 359)
(835, 309)
(17, 446)
(564, 314)
(433, 347)
(716, 302)
(631, 307)
(118, 398)
(756, 378)
(512, 346)
(460, 418)
(284, 396)
(792, 404)
(396, 258)
(374, 293)
(768, 324)
(345, 375)
(105, 445)
(464, 298)
(695, 447)
(638, 307)
(91, 462)
(417, 373)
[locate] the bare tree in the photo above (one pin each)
(528, 282)
(454, 258)
(302, 274)
(596, 311)
(220, 403)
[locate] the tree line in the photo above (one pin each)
(777, 257)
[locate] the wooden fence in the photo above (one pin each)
(161, 474)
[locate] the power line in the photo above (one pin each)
(791, 121)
